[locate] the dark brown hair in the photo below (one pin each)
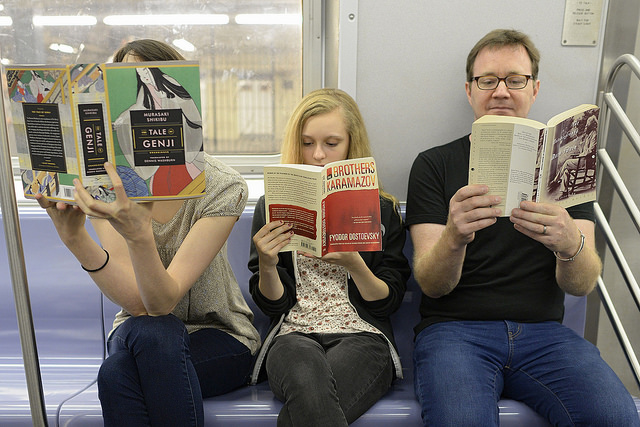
(148, 50)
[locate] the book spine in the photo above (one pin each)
(325, 243)
(541, 181)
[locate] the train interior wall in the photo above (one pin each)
(409, 83)
(410, 88)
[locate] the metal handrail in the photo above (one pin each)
(619, 329)
(625, 196)
(616, 251)
(18, 269)
(610, 106)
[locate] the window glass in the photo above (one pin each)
(250, 53)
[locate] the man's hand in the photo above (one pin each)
(548, 224)
(470, 210)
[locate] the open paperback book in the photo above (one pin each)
(145, 118)
(522, 159)
(335, 208)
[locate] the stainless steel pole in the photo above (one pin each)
(19, 273)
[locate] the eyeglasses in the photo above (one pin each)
(512, 81)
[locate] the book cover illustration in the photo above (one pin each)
(62, 126)
(570, 169)
(157, 127)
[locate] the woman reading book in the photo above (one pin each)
(184, 331)
(333, 355)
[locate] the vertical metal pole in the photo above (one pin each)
(19, 273)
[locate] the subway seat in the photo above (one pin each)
(71, 319)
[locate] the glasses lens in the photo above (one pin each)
(516, 81)
(487, 82)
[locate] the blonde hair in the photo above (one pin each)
(323, 101)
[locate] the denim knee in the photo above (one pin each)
(455, 380)
(111, 371)
(119, 391)
(164, 336)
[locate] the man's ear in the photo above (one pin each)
(536, 88)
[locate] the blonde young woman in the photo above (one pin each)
(330, 354)
(184, 332)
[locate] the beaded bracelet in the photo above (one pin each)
(577, 253)
(99, 268)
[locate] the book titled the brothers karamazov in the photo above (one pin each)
(144, 118)
(335, 208)
(522, 159)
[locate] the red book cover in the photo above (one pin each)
(335, 208)
(352, 221)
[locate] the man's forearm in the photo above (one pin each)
(438, 270)
(579, 277)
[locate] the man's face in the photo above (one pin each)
(501, 62)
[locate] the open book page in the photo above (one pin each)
(293, 194)
(503, 156)
(569, 170)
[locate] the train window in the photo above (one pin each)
(250, 54)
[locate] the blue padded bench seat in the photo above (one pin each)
(71, 319)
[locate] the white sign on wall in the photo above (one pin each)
(581, 22)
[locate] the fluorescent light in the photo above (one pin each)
(6, 21)
(269, 19)
(64, 21)
(64, 48)
(178, 19)
(4, 61)
(185, 45)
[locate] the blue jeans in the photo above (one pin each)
(463, 368)
(157, 374)
(328, 379)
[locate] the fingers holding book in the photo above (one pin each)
(471, 209)
(68, 220)
(272, 237)
(127, 217)
(546, 223)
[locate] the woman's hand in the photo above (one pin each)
(127, 218)
(370, 287)
(349, 260)
(270, 239)
(69, 220)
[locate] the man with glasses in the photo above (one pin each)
(493, 287)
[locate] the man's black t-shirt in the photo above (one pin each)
(505, 275)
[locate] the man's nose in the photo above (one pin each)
(501, 89)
